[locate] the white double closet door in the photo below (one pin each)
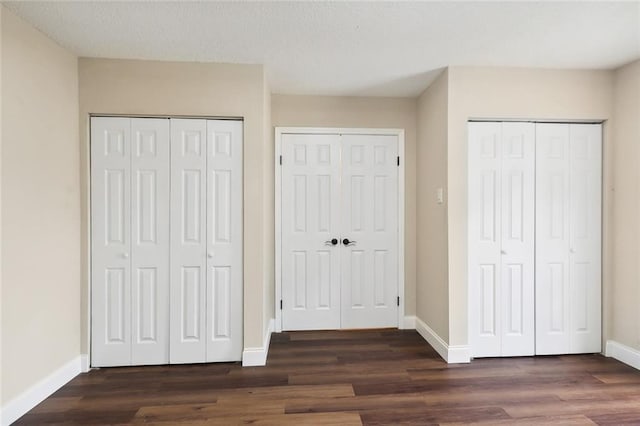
(166, 241)
(339, 262)
(534, 238)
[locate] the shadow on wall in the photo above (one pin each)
(407, 86)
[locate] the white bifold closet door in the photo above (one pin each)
(130, 241)
(568, 238)
(339, 231)
(501, 238)
(166, 238)
(206, 240)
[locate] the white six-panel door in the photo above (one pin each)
(130, 241)
(568, 238)
(339, 187)
(501, 238)
(161, 296)
(370, 223)
(310, 220)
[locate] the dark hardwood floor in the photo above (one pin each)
(354, 377)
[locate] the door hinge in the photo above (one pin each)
(398, 300)
(280, 304)
(281, 160)
(398, 161)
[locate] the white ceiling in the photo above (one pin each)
(348, 48)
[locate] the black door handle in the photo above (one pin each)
(333, 242)
(346, 242)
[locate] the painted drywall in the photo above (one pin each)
(269, 210)
(40, 207)
(1, 299)
(482, 92)
(196, 89)
(625, 294)
(432, 299)
(364, 112)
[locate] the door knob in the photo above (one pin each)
(331, 242)
(125, 255)
(503, 252)
(346, 242)
(210, 255)
(572, 250)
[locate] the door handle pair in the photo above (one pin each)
(335, 241)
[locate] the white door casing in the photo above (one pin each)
(501, 238)
(317, 177)
(568, 238)
(129, 165)
(369, 220)
(310, 220)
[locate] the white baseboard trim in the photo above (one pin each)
(451, 354)
(37, 393)
(408, 323)
(84, 363)
(254, 357)
(623, 353)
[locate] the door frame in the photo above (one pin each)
(279, 132)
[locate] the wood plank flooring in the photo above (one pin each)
(370, 377)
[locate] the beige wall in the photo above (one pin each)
(1, 299)
(40, 207)
(197, 89)
(625, 297)
(476, 92)
(268, 218)
(364, 112)
(432, 300)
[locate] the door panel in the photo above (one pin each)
(224, 241)
(310, 218)
(150, 242)
(370, 221)
(552, 239)
(568, 250)
(501, 238)
(188, 241)
(111, 241)
(585, 147)
(517, 239)
(485, 237)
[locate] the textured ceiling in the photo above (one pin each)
(348, 48)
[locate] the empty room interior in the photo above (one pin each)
(320, 212)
